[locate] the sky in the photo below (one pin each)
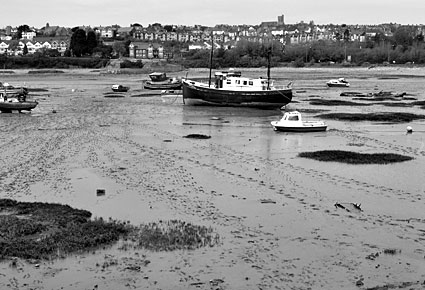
(207, 12)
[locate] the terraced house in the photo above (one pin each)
(17, 47)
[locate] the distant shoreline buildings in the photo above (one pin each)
(147, 42)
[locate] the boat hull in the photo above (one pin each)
(299, 129)
(306, 128)
(120, 90)
(203, 95)
(338, 85)
(7, 107)
(162, 86)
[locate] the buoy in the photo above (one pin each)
(409, 129)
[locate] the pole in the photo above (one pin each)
(211, 57)
(268, 67)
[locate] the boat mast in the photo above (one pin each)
(269, 53)
(211, 58)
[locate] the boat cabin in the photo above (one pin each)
(293, 116)
(232, 80)
(158, 76)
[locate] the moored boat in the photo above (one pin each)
(12, 91)
(231, 89)
(293, 122)
(14, 99)
(120, 88)
(9, 104)
(160, 81)
(341, 82)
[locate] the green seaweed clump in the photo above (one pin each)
(354, 157)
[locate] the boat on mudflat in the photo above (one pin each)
(12, 91)
(14, 99)
(9, 104)
(231, 89)
(160, 81)
(119, 88)
(293, 122)
(341, 82)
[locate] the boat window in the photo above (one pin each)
(228, 82)
(245, 83)
(238, 82)
(251, 83)
(293, 118)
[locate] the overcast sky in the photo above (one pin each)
(73, 13)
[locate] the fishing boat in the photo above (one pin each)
(119, 88)
(160, 81)
(9, 104)
(341, 82)
(12, 91)
(231, 89)
(14, 99)
(293, 122)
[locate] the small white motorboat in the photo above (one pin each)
(292, 122)
(341, 82)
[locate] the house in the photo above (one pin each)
(34, 45)
(3, 47)
(125, 31)
(107, 32)
(28, 35)
(145, 50)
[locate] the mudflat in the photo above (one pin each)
(284, 221)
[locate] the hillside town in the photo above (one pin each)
(148, 42)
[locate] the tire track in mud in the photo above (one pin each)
(190, 198)
(259, 250)
(293, 189)
(362, 140)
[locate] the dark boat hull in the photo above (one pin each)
(300, 129)
(162, 86)
(120, 90)
(198, 95)
(337, 85)
(7, 107)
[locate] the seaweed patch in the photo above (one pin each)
(354, 157)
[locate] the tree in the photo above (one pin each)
(403, 37)
(78, 44)
(168, 28)
(25, 49)
(91, 41)
(104, 51)
(119, 48)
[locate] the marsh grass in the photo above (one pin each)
(376, 117)
(46, 71)
(354, 157)
(47, 231)
(174, 234)
(321, 102)
(42, 230)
